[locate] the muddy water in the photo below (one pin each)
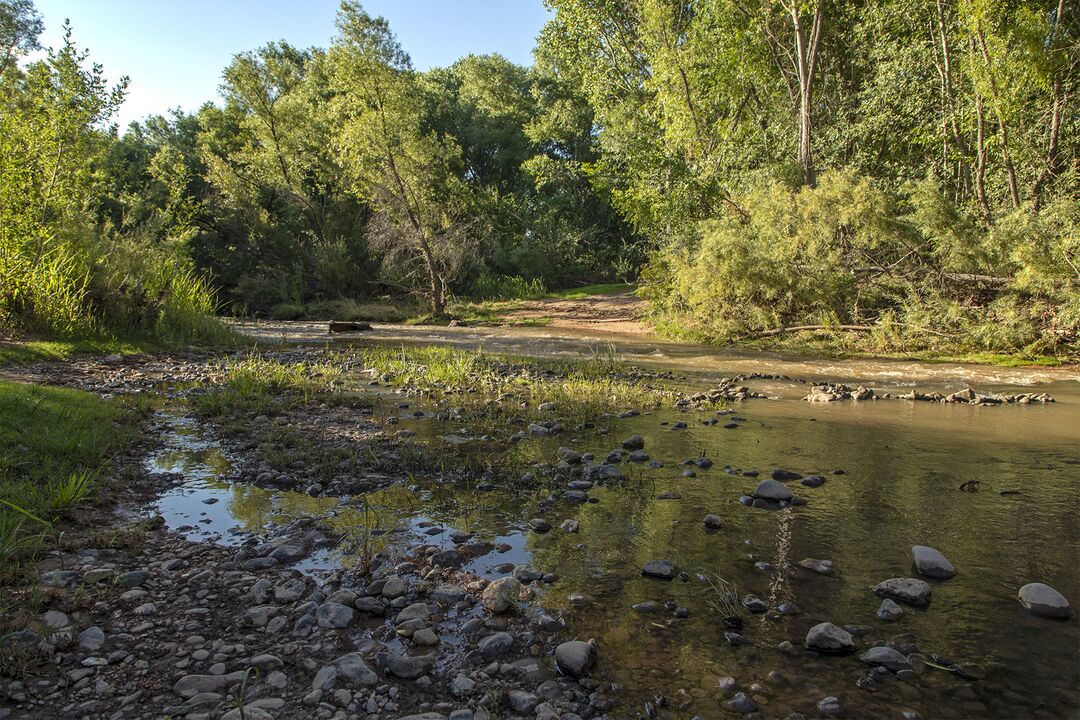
(903, 463)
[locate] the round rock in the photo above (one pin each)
(932, 563)
(1044, 600)
(772, 490)
(575, 658)
(499, 596)
(886, 657)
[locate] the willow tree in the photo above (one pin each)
(404, 171)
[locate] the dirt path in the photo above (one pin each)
(621, 312)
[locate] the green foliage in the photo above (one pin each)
(842, 254)
(580, 389)
(506, 287)
(52, 458)
(60, 275)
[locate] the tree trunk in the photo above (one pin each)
(805, 59)
(438, 289)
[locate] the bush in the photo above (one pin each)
(924, 278)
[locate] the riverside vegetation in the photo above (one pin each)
(869, 178)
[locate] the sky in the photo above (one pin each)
(174, 51)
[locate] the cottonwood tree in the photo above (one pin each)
(407, 173)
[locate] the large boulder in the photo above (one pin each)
(772, 490)
(910, 591)
(575, 658)
(932, 563)
(1044, 600)
(499, 596)
(828, 638)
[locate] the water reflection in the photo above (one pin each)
(904, 465)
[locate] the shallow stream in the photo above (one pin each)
(903, 465)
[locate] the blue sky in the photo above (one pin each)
(174, 51)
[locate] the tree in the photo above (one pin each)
(405, 171)
(20, 26)
(52, 136)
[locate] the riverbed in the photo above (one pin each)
(894, 472)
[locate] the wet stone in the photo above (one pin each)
(740, 703)
(821, 567)
(1044, 600)
(889, 611)
(910, 591)
(575, 658)
(661, 569)
(830, 707)
(754, 604)
(446, 558)
(828, 638)
(932, 563)
(886, 657)
(772, 490)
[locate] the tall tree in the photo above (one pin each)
(405, 171)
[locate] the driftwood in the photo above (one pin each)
(342, 326)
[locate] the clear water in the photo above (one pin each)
(903, 463)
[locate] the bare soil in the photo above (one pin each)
(618, 313)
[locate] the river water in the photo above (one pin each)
(903, 464)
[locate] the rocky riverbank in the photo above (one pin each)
(510, 578)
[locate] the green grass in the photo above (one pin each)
(21, 352)
(14, 352)
(260, 385)
(580, 389)
(586, 291)
(54, 443)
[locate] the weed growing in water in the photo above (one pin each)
(724, 599)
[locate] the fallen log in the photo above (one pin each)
(342, 326)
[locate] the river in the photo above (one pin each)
(903, 464)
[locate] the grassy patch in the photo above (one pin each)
(262, 385)
(498, 387)
(586, 291)
(54, 443)
(13, 352)
(18, 352)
